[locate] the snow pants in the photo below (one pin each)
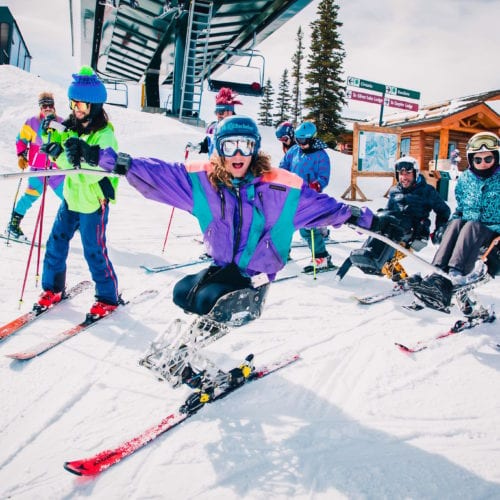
(35, 190)
(460, 246)
(198, 293)
(320, 233)
(92, 229)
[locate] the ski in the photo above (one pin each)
(170, 267)
(24, 240)
(310, 271)
(379, 297)
(303, 244)
(103, 460)
(26, 318)
(483, 316)
(59, 338)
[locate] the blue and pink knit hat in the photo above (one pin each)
(87, 87)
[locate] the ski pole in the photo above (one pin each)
(313, 253)
(186, 154)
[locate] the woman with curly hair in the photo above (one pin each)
(247, 210)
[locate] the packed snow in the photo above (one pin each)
(354, 418)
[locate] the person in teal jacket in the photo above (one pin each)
(475, 223)
(86, 198)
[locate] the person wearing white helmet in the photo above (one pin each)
(475, 223)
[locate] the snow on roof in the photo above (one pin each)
(439, 110)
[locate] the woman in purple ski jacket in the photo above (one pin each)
(247, 210)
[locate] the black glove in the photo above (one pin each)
(437, 235)
(53, 149)
(122, 164)
(46, 122)
(388, 225)
(77, 150)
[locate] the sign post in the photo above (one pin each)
(382, 100)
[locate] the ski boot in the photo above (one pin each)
(217, 386)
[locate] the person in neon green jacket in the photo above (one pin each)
(86, 197)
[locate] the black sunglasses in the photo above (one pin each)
(487, 159)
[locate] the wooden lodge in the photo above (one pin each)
(435, 130)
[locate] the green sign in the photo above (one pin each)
(409, 94)
(365, 84)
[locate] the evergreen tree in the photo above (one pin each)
(283, 100)
(266, 105)
(326, 90)
(297, 76)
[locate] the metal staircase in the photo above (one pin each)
(195, 60)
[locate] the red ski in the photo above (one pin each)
(101, 461)
(462, 324)
(59, 338)
(23, 320)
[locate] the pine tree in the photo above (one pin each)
(297, 76)
(326, 90)
(266, 105)
(283, 100)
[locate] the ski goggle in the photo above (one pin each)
(303, 140)
(483, 142)
(486, 159)
(405, 166)
(79, 106)
(284, 138)
(229, 146)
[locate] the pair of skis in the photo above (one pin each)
(47, 344)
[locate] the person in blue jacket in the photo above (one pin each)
(309, 160)
(474, 224)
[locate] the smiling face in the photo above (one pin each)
(237, 165)
(406, 178)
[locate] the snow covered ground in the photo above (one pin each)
(354, 418)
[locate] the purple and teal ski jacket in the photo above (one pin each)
(250, 224)
(30, 139)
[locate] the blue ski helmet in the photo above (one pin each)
(237, 125)
(305, 132)
(285, 128)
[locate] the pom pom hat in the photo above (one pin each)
(225, 100)
(87, 87)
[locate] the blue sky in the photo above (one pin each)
(442, 49)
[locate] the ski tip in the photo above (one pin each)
(403, 348)
(71, 468)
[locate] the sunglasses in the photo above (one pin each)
(284, 138)
(231, 145)
(483, 141)
(486, 159)
(47, 106)
(79, 106)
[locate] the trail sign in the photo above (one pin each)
(352, 81)
(397, 103)
(363, 96)
(409, 94)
